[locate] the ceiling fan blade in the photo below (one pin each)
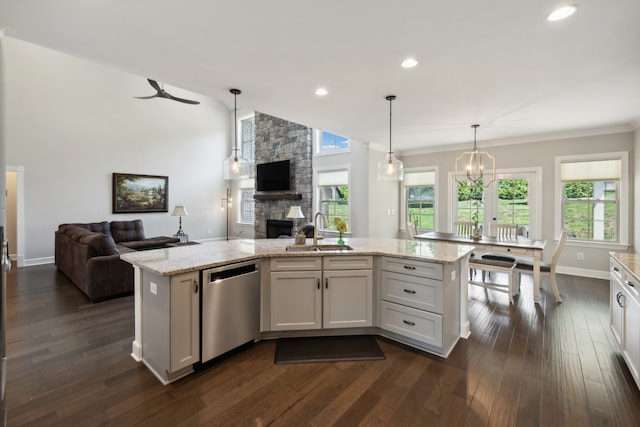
(154, 84)
(146, 97)
(186, 101)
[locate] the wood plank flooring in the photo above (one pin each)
(69, 364)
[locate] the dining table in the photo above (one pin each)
(518, 247)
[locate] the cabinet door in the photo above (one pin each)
(296, 300)
(632, 335)
(348, 298)
(616, 304)
(185, 320)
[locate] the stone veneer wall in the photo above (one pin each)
(278, 139)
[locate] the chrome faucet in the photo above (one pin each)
(315, 226)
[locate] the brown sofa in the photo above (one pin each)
(89, 255)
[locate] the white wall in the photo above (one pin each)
(635, 167)
(71, 123)
(539, 154)
(384, 201)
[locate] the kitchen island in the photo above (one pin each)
(412, 291)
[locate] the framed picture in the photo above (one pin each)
(140, 193)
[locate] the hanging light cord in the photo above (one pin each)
(390, 98)
(235, 93)
(475, 130)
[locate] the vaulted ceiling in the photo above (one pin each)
(498, 63)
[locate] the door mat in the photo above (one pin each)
(327, 349)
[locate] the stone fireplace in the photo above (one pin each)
(278, 139)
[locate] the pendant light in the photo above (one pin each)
(235, 166)
(479, 166)
(390, 169)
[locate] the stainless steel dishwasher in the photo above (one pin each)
(230, 307)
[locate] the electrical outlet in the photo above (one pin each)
(580, 256)
(153, 288)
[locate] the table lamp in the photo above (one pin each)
(180, 211)
(294, 213)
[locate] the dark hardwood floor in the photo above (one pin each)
(524, 365)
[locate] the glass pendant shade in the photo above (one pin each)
(478, 166)
(390, 169)
(235, 166)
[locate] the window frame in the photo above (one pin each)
(317, 144)
(623, 199)
(403, 198)
(317, 196)
(240, 188)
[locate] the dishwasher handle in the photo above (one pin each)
(231, 272)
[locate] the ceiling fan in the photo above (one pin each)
(162, 94)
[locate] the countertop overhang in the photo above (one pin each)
(183, 259)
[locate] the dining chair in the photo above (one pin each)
(526, 266)
(504, 231)
(412, 230)
(463, 228)
(489, 266)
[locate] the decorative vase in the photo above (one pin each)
(476, 233)
(340, 241)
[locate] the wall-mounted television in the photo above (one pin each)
(273, 176)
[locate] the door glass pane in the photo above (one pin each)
(513, 203)
(470, 202)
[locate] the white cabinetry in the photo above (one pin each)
(420, 303)
(171, 324)
(625, 315)
(321, 292)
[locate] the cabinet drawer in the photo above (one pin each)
(296, 263)
(631, 283)
(416, 292)
(503, 250)
(348, 262)
(615, 269)
(411, 323)
(416, 268)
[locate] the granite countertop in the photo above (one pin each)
(183, 259)
(630, 260)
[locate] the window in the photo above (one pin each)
(333, 195)
(247, 203)
(247, 137)
(246, 187)
(591, 206)
(419, 198)
(328, 143)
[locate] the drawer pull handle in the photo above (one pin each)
(326, 283)
(318, 283)
(616, 269)
(409, 267)
(195, 287)
(407, 322)
(409, 291)
(630, 283)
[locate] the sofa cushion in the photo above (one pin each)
(97, 227)
(127, 231)
(100, 244)
(151, 243)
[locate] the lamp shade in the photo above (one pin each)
(295, 212)
(179, 210)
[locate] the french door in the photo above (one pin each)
(514, 198)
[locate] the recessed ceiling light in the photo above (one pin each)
(409, 63)
(321, 91)
(562, 13)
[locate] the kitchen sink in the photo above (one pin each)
(318, 248)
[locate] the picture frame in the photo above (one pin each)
(135, 193)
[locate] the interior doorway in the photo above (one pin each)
(14, 230)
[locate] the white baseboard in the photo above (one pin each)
(38, 261)
(582, 272)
